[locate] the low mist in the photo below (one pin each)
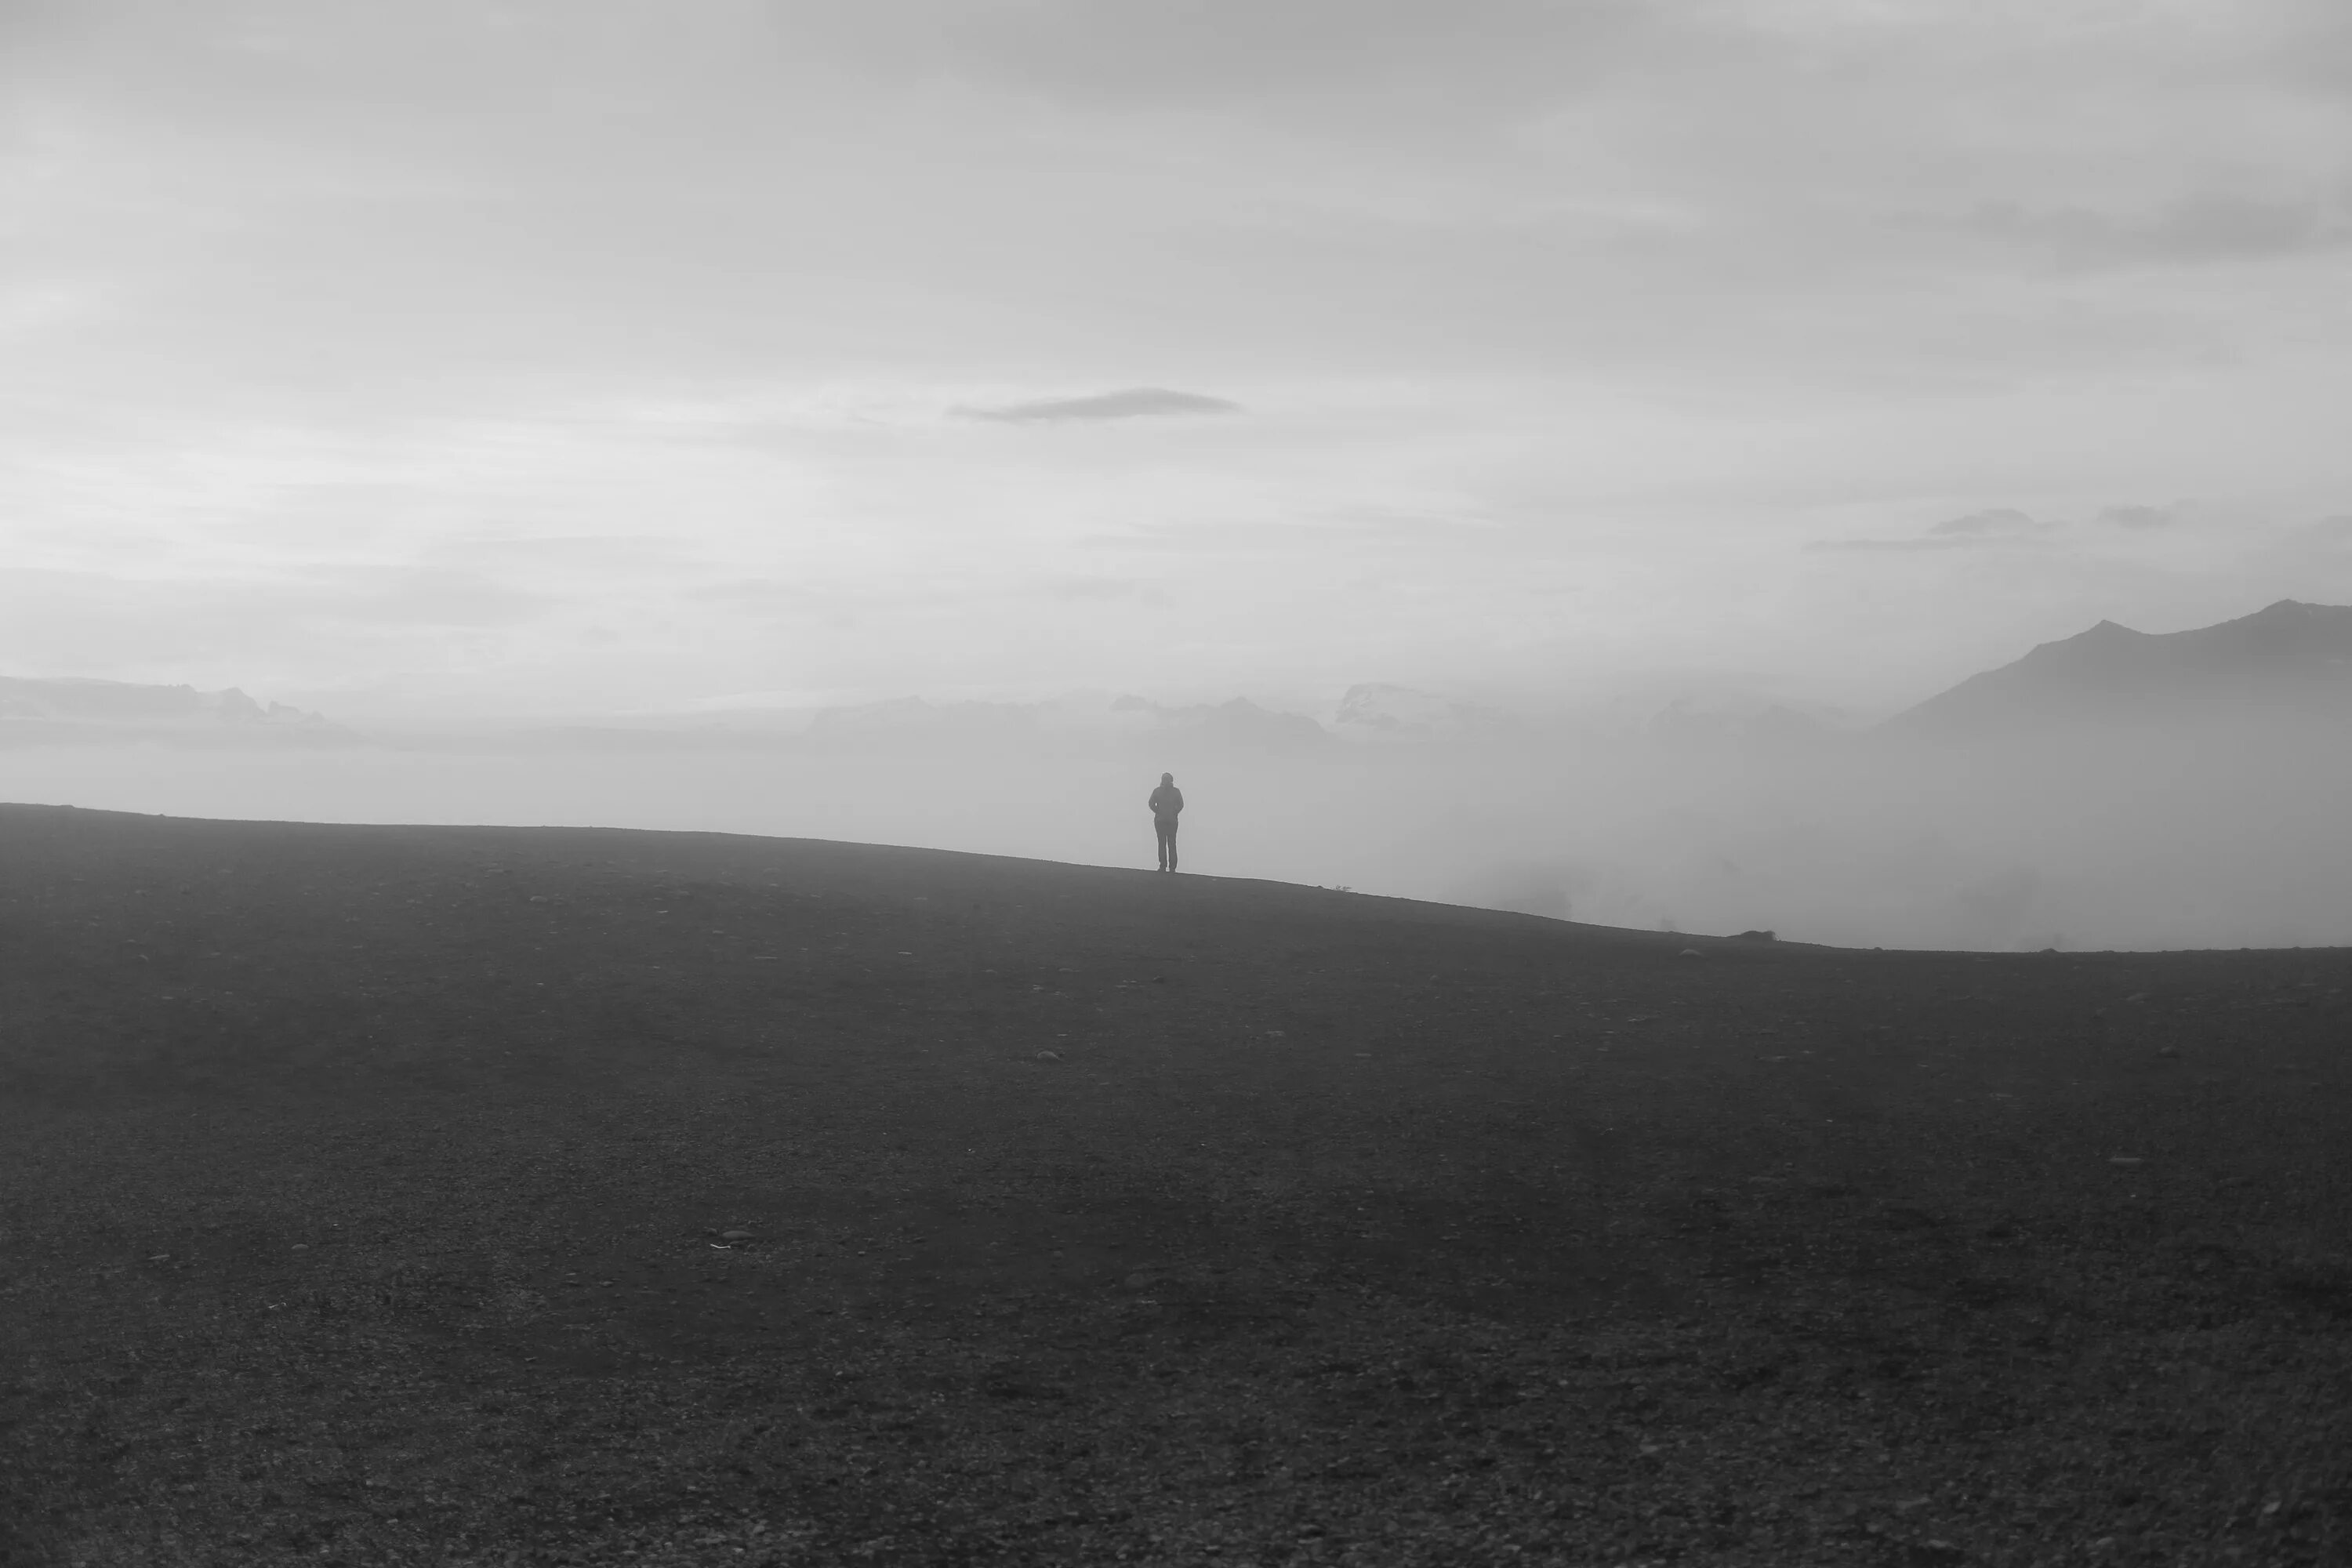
(2227, 836)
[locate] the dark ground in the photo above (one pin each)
(362, 1192)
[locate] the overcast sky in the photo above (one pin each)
(574, 355)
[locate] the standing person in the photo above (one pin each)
(1166, 803)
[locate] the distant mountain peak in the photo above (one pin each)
(2287, 655)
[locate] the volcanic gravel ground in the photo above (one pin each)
(489, 1197)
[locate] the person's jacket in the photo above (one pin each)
(1166, 802)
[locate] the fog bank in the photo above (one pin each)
(2226, 838)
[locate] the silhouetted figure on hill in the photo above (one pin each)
(1166, 803)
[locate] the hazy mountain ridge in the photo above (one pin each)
(2285, 660)
(1378, 710)
(1237, 724)
(69, 708)
(2289, 660)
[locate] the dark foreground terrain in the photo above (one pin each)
(481, 1196)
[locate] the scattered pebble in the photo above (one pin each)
(2136, 996)
(2168, 1050)
(734, 1235)
(1690, 952)
(2125, 1160)
(1049, 1056)
(161, 1257)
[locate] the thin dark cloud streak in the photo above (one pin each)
(1869, 546)
(1984, 524)
(1135, 402)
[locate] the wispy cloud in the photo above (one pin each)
(1866, 546)
(1996, 525)
(1998, 522)
(1080, 589)
(1135, 402)
(2202, 227)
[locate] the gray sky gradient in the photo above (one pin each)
(608, 353)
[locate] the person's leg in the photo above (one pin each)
(1159, 833)
(1171, 844)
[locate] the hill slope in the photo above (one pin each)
(366, 1195)
(2290, 660)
